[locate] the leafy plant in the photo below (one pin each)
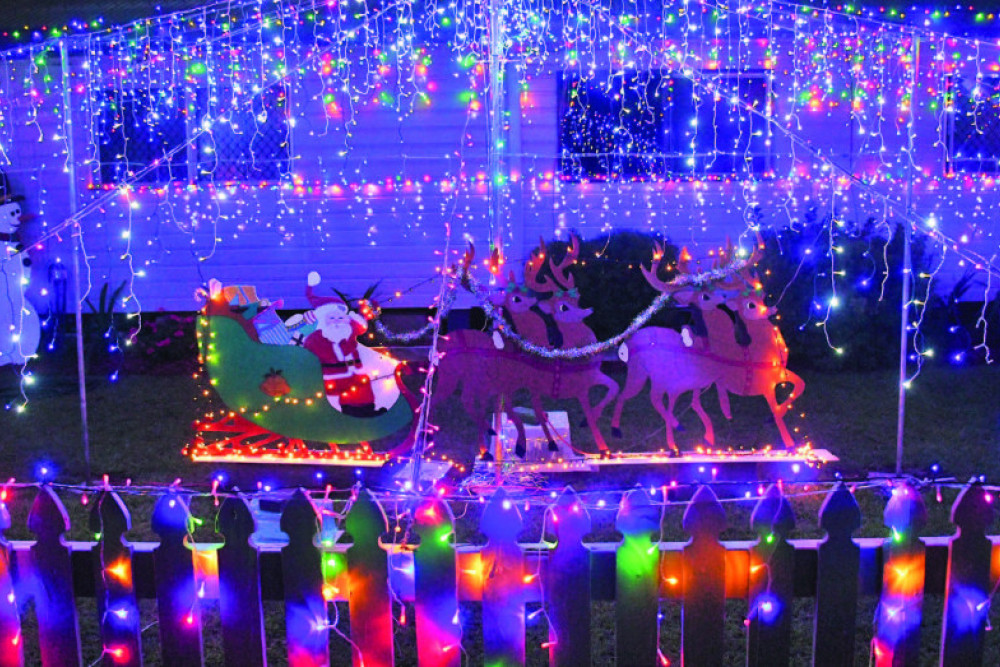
(102, 329)
(839, 289)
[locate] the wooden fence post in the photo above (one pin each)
(637, 579)
(897, 633)
(704, 583)
(435, 585)
(503, 583)
(368, 570)
(11, 646)
(306, 621)
(240, 604)
(178, 610)
(772, 578)
(116, 603)
(967, 592)
(839, 559)
(567, 584)
(52, 573)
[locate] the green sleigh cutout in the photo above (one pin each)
(237, 364)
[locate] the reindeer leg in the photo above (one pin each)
(798, 385)
(591, 417)
(656, 398)
(612, 391)
(634, 382)
(671, 402)
(520, 445)
(543, 419)
(696, 404)
(724, 401)
(779, 419)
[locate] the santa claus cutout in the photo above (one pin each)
(359, 381)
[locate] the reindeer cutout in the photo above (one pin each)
(738, 350)
(472, 362)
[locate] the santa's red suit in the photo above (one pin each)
(344, 378)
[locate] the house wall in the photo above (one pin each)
(375, 199)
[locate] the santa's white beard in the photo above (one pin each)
(335, 332)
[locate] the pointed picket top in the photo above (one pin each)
(637, 513)
(501, 520)
(773, 514)
(110, 517)
(48, 518)
(300, 520)
(432, 513)
(905, 510)
(840, 514)
(973, 509)
(235, 518)
(365, 521)
(171, 519)
(570, 519)
(704, 514)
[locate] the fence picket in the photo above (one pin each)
(772, 578)
(567, 584)
(58, 626)
(503, 583)
(239, 586)
(11, 646)
(306, 618)
(839, 560)
(637, 570)
(967, 591)
(116, 603)
(177, 600)
(897, 633)
(368, 570)
(435, 583)
(704, 583)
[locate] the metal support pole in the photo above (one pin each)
(77, 249)
(907, 265)
(495, 125)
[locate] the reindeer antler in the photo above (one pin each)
(559, 271)
(533, 267)
(467, 258)
(650, 274)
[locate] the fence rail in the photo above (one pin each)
(436, 574)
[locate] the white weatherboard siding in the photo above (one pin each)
(392, 228)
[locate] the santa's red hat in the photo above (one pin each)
(317, 300)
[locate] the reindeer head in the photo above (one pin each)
(515, 298)
(564, 304)
(745, 288)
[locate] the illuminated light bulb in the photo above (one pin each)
(120, 571)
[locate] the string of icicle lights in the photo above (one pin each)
(279, 107)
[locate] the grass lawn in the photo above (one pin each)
(138, 426)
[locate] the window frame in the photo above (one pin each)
(669, 159)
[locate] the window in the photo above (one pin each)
(973, 129)
(648, 126)
(136, 128)
(248, 141)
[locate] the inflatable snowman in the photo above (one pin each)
(19, 326)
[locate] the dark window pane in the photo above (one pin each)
(137, 128)
(975, 140)
(642, 126)
(249, 139)
(610, 127)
